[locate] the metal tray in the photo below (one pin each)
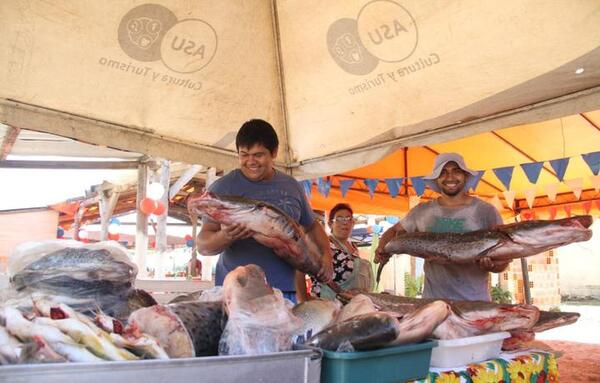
(289, 366)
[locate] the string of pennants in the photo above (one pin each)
(504, 174)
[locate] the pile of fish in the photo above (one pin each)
(272, 227)
(90, 276)
(54, 332)
(502, 243)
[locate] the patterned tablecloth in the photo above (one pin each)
(522, 367)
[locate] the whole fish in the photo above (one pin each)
(362, 332)
(502, 243)
(272, 227)
(469, 318)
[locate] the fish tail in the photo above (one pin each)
(379, 270)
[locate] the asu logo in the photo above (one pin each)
(383, 31)
(151, 32)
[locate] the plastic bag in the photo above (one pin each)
(267, 325)
(100, 274)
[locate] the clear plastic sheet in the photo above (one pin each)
(265, 325)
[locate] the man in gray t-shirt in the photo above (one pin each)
(456, 212)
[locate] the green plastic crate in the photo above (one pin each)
(385, 365)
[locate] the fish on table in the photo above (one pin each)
(272, 228)
(259, 319)
(316, 314)
(501, 243)
(470, 318)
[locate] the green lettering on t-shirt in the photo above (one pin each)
(448, 225)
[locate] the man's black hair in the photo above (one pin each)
(257, 132)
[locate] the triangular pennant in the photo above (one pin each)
(528, 215)
(552, 212)
(587, 206)
(371, 184)
(529, 197)
(413, 201)
(345, 186)
(593, 161)
(509, 196)
(418, 184)
(307, 186)
(323, 186)
(532, 170)
(597, 203)
(595, 180)
(560, 167)
(568, 210)
(473, 180)
(393, 185)
(551, 190)
(496, 202)
(576, 184)
(504, 175)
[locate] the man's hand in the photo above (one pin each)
(236, 231)
(325, 274)
(486, 264)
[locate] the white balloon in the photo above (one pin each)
(155, 191)
(83, 234)
(113, 228)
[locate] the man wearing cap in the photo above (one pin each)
(457, 212)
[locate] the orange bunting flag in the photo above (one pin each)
(529, 196)
(595, 182)
(597, 202)
(587, 206)
(509, 196)
(552, 212)
(551, 190)
(575, 185)
(568, 210)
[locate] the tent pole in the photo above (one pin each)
(141, 231)
(524, 270)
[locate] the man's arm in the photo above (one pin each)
(319, 237)
(214, 237)
(380, 254)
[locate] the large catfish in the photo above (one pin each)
(470, 318)
(502, 243)
(272, 227)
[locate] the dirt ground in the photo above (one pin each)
(576, 346)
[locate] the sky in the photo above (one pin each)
(27, 188)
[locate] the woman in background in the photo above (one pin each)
(348, 270)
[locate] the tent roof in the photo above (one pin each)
(567, 137)
(344, 83)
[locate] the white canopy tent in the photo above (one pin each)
(343, 82)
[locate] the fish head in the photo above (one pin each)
(218, 208)
(244, 284)
(559, 232)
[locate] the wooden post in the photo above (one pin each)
(109, 195)
(141, 232)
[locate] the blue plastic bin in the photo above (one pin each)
(385, 365)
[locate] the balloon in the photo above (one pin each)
(60, 232)
(115, 221)
(113, 228)
(155, 191)
(189, 243)
(147, 205)
(188, 237)
(160, 208)
(113, 237)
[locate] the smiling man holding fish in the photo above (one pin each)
(453, 212)
(257, 179)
